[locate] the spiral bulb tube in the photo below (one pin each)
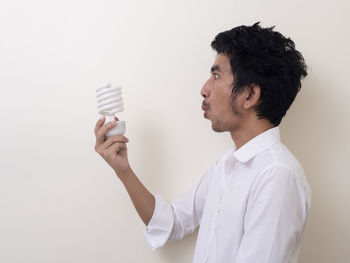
(110, 102)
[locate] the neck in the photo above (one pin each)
(249, 130)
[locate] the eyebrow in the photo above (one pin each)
(215, 68)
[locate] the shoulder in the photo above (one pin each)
(277, 163)
(279, 158)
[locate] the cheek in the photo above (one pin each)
(221, 94)
(223, 103)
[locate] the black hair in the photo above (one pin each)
(265, 58)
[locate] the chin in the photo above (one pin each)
(217, 128)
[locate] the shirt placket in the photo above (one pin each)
(224, 182)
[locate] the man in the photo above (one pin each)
(253, 203)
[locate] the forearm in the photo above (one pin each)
(142, 199)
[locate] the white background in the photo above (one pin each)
(59, 200)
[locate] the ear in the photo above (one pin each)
(252, 96)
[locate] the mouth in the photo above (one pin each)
(204, 105)
(205, 109)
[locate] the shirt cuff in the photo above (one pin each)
(160, 226)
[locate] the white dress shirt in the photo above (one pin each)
(252, 206)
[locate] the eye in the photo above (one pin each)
(216, 75)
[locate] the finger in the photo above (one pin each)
(100, 136)
(116, 147)
(113, 139)
(99, 124)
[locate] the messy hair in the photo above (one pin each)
(265, 58)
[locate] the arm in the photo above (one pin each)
(164, 221)
(114, 152)
(142, 199)
(275, 219)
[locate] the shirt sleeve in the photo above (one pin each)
(171, 221)
(275, 218)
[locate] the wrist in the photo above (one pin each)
(125, 173)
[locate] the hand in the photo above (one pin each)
(113, 150)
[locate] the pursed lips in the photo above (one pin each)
(204, 107)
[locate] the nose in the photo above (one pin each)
(205, 90)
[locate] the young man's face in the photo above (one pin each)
(224, 113)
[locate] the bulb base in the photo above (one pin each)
(119, 129)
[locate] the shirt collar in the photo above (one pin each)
(257, 144)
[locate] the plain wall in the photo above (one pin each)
(59, 200)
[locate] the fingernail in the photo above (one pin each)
(102, 118)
